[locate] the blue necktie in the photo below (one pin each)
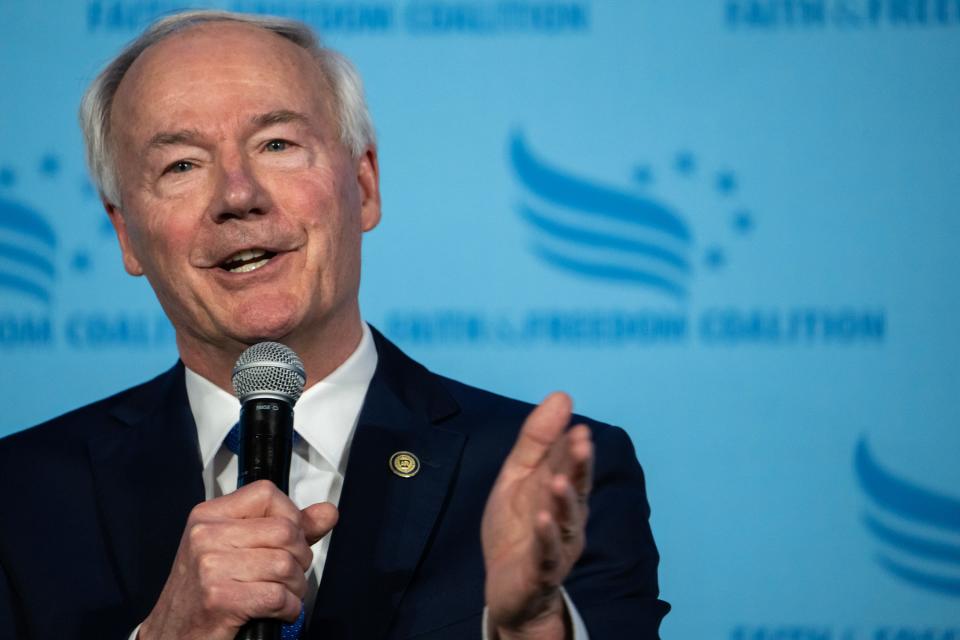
(292, 630)
(289, 631)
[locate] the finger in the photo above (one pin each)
(542, 428)
(255, 600)
(317, 520)
(276, 534)
(255, 565)
(569, 513)
(548, 549)
(251, 533)
(273, 565)
(256, 500)
(580, 451)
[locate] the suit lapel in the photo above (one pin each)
(386, 519)
(148, 475)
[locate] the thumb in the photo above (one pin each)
(542, 428)
(317, 520)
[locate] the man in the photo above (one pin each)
(237, 163)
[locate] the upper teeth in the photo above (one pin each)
(246, 254)
(240, 262)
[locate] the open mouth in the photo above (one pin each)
(247, 260)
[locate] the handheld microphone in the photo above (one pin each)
(268, 379)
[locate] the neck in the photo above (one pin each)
(322, 352)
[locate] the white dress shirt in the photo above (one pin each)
(325, 418)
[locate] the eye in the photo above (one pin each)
(277, 145)
(180, 166)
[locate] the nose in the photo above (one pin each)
(240, 194)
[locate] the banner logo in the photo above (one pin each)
(611, 233)
(635, 238)
(601, 232)
(918, 529)
(28, 246)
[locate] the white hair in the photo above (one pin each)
(356, 126)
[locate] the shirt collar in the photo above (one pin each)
(325, 416)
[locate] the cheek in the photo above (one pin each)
(316, 186)
(161, 237)
(314, 200)
(171, 234)
(329, 215)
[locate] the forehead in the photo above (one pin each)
(216, 71)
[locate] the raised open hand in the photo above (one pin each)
(534, 523)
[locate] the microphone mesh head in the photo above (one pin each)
(269, 369)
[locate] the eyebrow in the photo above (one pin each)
(167, 138)
(193, 136)
(279, 116)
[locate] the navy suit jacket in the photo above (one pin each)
(93, 505)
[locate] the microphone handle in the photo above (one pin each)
(266, 444)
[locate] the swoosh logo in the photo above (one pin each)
(925, 559)
(598, 231)
(27, 248)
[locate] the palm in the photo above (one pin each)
(533, 524)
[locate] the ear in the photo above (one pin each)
(368, 179)
(130, 261)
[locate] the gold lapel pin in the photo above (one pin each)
(404, 464)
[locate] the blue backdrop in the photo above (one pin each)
(730, 226)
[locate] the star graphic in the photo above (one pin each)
(643, 175)
(743, 222)
(726, 182)
(685, 163)
(80, 261)
(715, 258)
(49, 165)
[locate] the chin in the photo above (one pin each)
(268, 321)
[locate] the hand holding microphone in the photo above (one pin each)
(243, 556)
